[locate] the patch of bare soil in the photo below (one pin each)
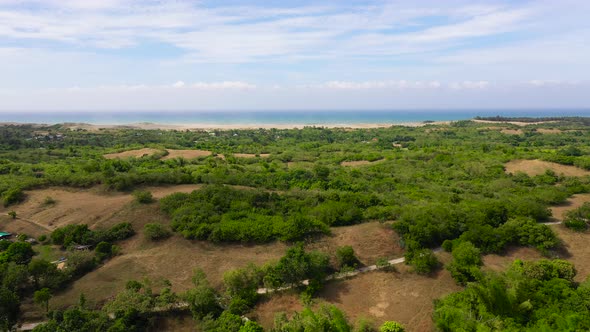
(159, 192)
(537, 167)
(500, 263)
(559, 211)
(511, 131)
(402, 296)
(266, 311)
(72, 206)
(132, 153)
(251, 155)
(358, 163)
(19, 226)
(186, 154)
(370, 241)
(174, 259)
(577, 249)
(548, 131)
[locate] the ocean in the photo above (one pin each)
(269, 117)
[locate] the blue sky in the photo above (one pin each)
(271, 55)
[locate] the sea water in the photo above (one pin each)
(270, 117)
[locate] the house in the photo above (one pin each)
(5, 235)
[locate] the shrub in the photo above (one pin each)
(42, 238)
(424, 261)
(346, 257)
(466, 263)
(12, 214)
(13, 196)
(49, 201)
(103, 251)
(155, 231)
(143, 197)
(383, 264)
(391, 326)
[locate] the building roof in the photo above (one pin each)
(5, 234)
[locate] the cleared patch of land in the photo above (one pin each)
(71, 207)
(186, 154)
(500, 263)
(132, 153)
(511, 131)
(538, 167)
(159, 192)
(559, 211)
(577, 249)
(548, 131)
(370, 241)
(251, 155)
(358, 163)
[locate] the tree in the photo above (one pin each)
(155, 231)
(45, 274)
(391, 326)
(346, 257)
(202, 299)
(251, 326)
(103, 250)
(424, 261)
(466, 263)
(143, 197)
(9, 308)
(42, 297)
(18, 252)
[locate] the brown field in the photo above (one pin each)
(511, 131)
(500, 263)
(370, 241)
(72, 206)
(358, 163)
(537, 167)
(548, 131)
(577, 249)
(132, 153)
(251, 155)
(186, 154)
(558, 212)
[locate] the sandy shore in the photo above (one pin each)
(518, 123)
(201, 126)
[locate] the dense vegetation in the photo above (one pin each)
(530, 296)
(444, 185)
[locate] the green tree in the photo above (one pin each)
(42, 297)
(424, 261)
(466, 262)
(155, 231)
(346, 257)
(9, 308)
(391, 326)
(202, 299)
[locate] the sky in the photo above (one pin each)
(124, 55)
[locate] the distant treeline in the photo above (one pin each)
(577, 119)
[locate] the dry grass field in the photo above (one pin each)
(511, 131)
(132, 153)
(251, 155)
(186, 154)
(537, 167)
(358, 163)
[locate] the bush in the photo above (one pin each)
(424, 261)
(42, 238)
(346, 257)
(466, 262)
(13, 196)
(391, 326)
(49, 201)
(143, 197)
(155, 231)
(103, 251)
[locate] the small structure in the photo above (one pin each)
(83, 247)
(5, 235)
(31, 240)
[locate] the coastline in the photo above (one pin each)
(212, 126)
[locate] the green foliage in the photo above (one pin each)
(346, 257)
(18, 252)
(326, 318)
(81, 234)
(202, 298)
(530, 296)
(143, 197)
(466, 262)
(296, 266)
(241, 287)
(49, 201)
(42, 297)
(103, 250)
(579, 218)
(391, 326)
(45, 274)
(423, 261)
(13, 196)
(12, 214)
(9, 308)
(155, 231)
